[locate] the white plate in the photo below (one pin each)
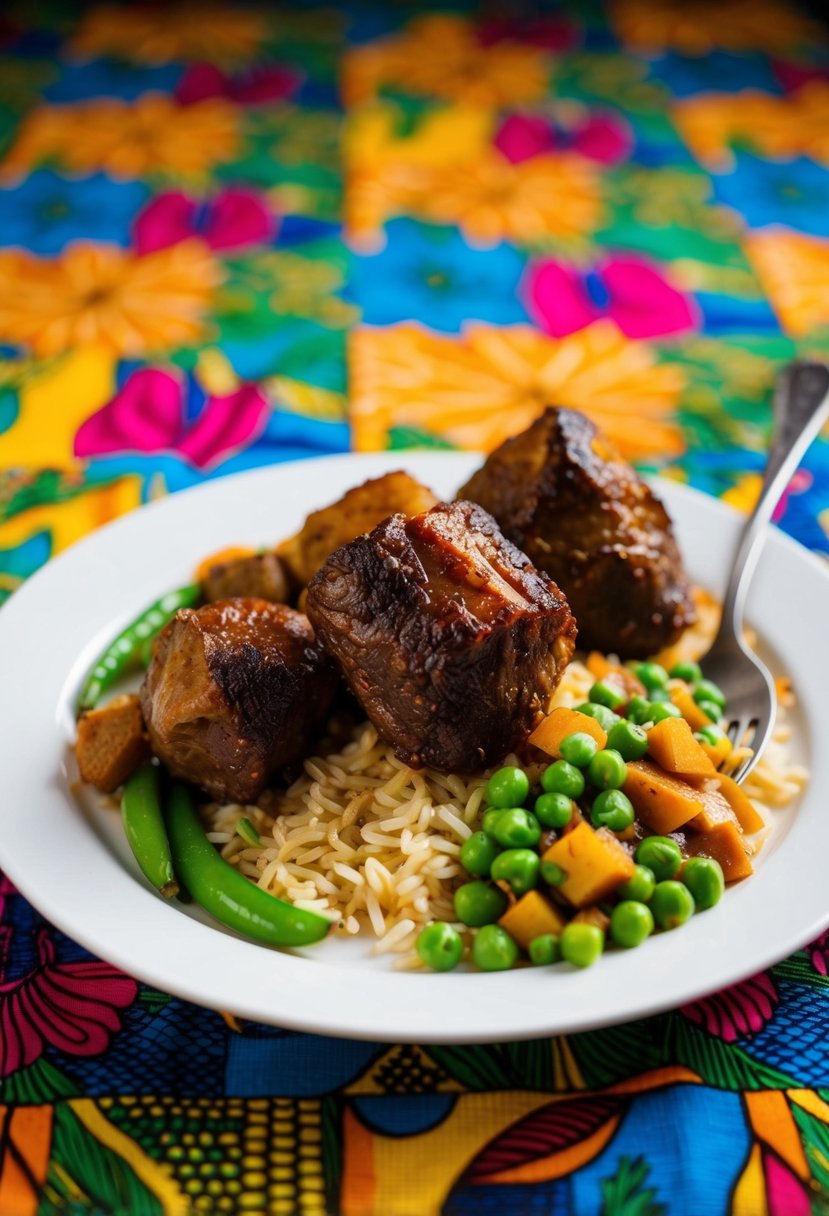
(70, 859)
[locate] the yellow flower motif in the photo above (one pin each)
(697, 29)
(797, 125)
(794, 272)
(440, 56)
(152, 135)
(478, 388)
(100, 295)
(158, 35)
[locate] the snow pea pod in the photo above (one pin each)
(144, 827)
(125, 653)
(224, 892)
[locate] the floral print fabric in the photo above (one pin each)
(231, 237)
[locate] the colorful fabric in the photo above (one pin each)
(217, 222)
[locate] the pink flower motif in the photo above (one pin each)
(785, 1194)
(254, 87)
(819, 953)
(802, 481)
(601, 136)
(626, 288)
(793, 76)
(70, 1006)
(546, 33)
(233, 219)
(737, 1011)
(148, 415)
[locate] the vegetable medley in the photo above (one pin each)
(630, 830)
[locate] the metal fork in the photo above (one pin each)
(801, 407)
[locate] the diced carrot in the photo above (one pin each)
(231, 554)
(689, 709)
(601, 667)
(674, 748)
(663, 802)
(532, 916)
(716, 810)
(594, 862)
(725, 845)
(717, 752)
(562, 722)
(750, 818)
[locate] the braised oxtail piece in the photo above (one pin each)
(235, 692)
(449, 637)
(564, 495)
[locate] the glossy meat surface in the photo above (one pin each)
(235, 691)
(358, 511)
(564, 495)
(448, 636)
(263, 576)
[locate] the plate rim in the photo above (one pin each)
(305, 1019)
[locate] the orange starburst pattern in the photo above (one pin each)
(100, 295)
(440, 56)
(699, 28)
(478, 388)
(159, 35)
(797, 125)
(794, 272)
(153, 135)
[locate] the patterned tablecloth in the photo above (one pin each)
(216, 223)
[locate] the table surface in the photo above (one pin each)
(238, 238)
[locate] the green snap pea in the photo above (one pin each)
(143, 821)
(661, 855)
(639, 886)
(508, 787)
(690, 672)
(478, 903)
(578, 749)
(553, 810)
(439, 946)
(704, 878)
(563, 778)
(672, 904)
(599, 713)
(581, 944)
(125, 653)
(494, 950)
(612, 809)
(630, 923)
(544, 950)
(248, 832)
(605, 693)
(628, 739)
(478, 852)
(224, 892)
(518, 868)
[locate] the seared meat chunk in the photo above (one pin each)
(449, 637)
(234, 692)
(263, 576)
(111, 743)
(356, 512)
(564, 495)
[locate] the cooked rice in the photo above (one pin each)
(373, 844)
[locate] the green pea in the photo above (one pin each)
(605, 693)
(664, 709)
(672, 904)
(494, 950)
(508, 787)
(711, 734)
(707, 690)
(563, 778)
(630, 923)
(628, 739)
(578, 749)
(478, 903)
(478, 852)
(439, 946)
(581, 944)
(544, 950)
(639, 709)
(489, 821)
(711, 710)
(661, 855)
(599, 713)
(552, 873)
(607, 770)
(703, 877)
(612, 809)
(516, 829)
(690, 672)
(518, 867)
(639, 886)
(553, 810)
(652, 675)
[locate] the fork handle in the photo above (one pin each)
(801, 407)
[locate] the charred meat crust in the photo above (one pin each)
(235, 692)
(448, 636)
(564, 495)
